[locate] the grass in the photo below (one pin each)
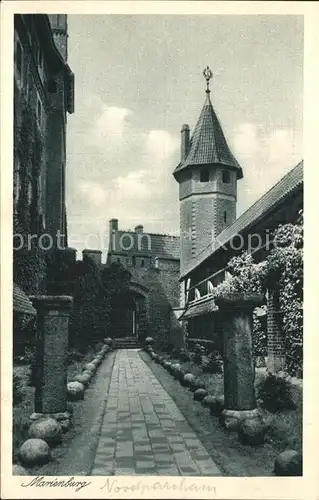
(22, 411)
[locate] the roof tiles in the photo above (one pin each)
(208, 144)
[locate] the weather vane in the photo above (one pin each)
(208, 74)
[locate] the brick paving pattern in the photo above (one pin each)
(143, 431)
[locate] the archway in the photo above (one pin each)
(128, 317)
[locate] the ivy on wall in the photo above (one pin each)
(285, 277)
(96, 293)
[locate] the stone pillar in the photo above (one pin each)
(236, 315)
(51, 352)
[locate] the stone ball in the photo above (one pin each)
(158, 359)
(149, 340)
(252, 432)
(199, 394)
(75, 391)
(198, 384)
(18, 470)
(108, 341)
(91, 367)
(34, 452)
(89, 374)
(84, 379)
(47, 429)
(208, 400)
(96, 362)
(189, 378)
(217, 406)
(288, 463)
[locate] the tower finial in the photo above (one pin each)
(208, 74)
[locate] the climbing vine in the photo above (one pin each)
(245, 277)
(285, 276)
(29, 268)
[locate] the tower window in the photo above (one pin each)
(226, 176)
(142, 263)
(225, 216)
(133, 261)
(204, 175)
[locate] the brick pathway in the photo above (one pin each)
(143, 431)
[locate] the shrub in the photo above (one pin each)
(17, 394)
(215, 363)
(199, 352)
(274, 394)
(183, 355)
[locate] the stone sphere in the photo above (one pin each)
(47, 429)
(189, 379)
(91, 367)
(89, 374)
(198, 384)
(217, 406)
(199, 394)
(75, 391)
(149, 340)
(108, 341)
(34, 452)
(288, 463)
(84, 379)
(96, 362)
(208, 400)
(18, 470)
(252, 432)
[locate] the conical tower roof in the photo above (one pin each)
(208, 145)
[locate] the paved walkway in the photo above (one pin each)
(143, 431)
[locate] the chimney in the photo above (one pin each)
(95, 255)
(139, 229)
(184, 141)
(114, 225)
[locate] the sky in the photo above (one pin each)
(139, 78)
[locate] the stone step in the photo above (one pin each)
(127, 343)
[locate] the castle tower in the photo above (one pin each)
(207, 175)
(59, 28)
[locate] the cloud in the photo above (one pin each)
(111, 123)
(265, 159)
(120, 170)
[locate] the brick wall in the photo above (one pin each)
(275, 340)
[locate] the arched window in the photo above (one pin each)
(142, 263)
